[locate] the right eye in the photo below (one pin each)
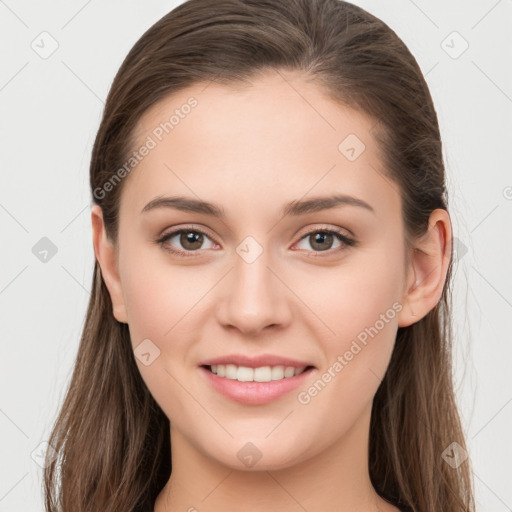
(190, 239)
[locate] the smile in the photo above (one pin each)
(260, 374)
(240, 383)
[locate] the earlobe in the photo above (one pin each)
(428, 269)
(105, 254)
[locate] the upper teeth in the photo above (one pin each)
(261, 374)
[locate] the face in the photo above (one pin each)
(296, 261)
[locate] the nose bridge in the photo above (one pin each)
(255, 298)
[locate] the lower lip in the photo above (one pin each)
(255, 393)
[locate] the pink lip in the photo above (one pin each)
(255, 362)
(255, 393)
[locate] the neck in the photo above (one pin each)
(337, 478)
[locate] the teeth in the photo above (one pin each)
(261, 374)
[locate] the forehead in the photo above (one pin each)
(277, 133)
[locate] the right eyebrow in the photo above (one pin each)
(185, 204)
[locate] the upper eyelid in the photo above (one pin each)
(306, 231)
(325, 227)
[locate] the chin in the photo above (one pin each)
(259, 455)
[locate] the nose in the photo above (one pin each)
(254, 297)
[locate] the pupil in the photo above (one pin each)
(322, 237)
(191, 237)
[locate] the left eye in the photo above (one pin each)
(322, 240)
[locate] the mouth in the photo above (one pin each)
(255, 386)
(258, 374)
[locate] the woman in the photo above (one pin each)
(269, 327)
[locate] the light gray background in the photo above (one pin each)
(50, 110)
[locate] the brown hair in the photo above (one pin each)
(111, 437)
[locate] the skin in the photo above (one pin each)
(251, 150)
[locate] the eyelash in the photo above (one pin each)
(346, 241)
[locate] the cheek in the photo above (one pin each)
(162, 303)
(362, 308)
(357, 294)
(364, 319)
(157, 300)
(158, 295)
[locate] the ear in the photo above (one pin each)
(427, 270)
(107, 258)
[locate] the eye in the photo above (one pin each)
(322, 240)
(190, 239)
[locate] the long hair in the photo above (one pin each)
(110, 436)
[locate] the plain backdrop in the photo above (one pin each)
(57, 63)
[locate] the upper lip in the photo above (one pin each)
(255, 361)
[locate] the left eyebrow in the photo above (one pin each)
(317, 204)
(294, 208)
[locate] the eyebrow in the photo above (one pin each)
(294, 208)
